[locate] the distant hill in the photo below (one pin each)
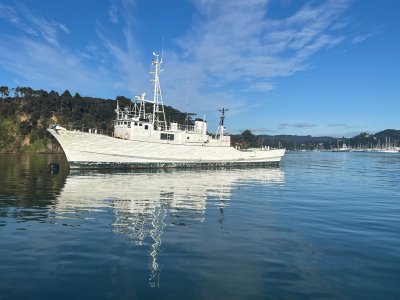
(295, 141)
(308, 142)
(389, 133)
(381, 138)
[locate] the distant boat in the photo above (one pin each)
(389, 147)
(389, 150)
(144, 139)
(343, 148)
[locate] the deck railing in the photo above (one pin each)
(92, 130)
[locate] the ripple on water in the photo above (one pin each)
(323, 225)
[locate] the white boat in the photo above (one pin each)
(388, 150)
(343, 148)
(144, 139)
(389, 147)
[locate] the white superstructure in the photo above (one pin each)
(144, 139)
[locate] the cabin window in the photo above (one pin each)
(146, 127)
(166, 136)
(140, 124)
(125, 123)
(135, 123)
(129, 124)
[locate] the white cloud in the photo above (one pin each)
(9, 13)
(337, 125)
(112, 12)
(40, 60)
(63, 28)
(362, 37)
(262, 86)
(48, 30)
(235, 40)
(33, 24)
(296, 125)
(42, 65)
(125, 62)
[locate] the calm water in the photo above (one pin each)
(322, 226)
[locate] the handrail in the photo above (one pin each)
(92, 130)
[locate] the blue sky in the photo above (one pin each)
(280, 66)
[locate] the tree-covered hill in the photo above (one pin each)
(294, 142)
(25, 114)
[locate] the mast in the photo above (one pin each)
(157, 95)
(220, 131)
(117, 110)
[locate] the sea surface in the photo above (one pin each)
(321, 226)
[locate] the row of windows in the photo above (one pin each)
(134, 123)
(167, 136)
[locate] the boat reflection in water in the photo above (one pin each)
(145, 203)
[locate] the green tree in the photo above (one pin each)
(4, 91)
(66, 94)
(25, 127)
(17, 91)
(53, 95)
(66, 101)
(250, 139)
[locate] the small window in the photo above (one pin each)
(125, 123)
(135, 123)
(146, 127)
(140, 124)
(129, 124)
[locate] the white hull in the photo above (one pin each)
(89, 150)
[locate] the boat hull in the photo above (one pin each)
(95, 151)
